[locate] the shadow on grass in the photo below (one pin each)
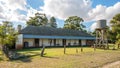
(29, 49)
(51, 57)
(26, 57)
(1, 59)
(22, 59)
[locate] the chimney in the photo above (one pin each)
(19, 27)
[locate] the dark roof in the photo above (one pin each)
(49, 31)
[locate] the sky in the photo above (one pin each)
(19, 11)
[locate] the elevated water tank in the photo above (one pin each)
(101, 24)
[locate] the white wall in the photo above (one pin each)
(30, 42)
(46, 42)
(19, 39)
(60, 42)
(74, 41)
(19, 42)
(40, 42)
(83, 42)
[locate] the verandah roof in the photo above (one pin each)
(57, 37)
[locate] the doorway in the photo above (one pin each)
(54, 42)
(36, 42)
(26, 44)
(79, 42)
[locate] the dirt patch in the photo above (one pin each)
(112, 65)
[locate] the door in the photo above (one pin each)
(26, 44)
(36, 42)
(54, 42)
(79, 42)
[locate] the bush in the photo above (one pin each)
(118, 42)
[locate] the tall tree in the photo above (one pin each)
(115, 32)
(53, 22)
(7, 35)
(38, 20)
(74, 22)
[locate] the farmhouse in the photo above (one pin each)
(38, 36)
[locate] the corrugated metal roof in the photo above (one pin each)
(49, 31)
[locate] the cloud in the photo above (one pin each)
(103, 12)
(13, 10)
(14, 4)
(31, 12)
(64, 8)
(93, 26)
(9, 10)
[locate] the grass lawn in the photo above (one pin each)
(55, 58)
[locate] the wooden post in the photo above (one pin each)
(42, 52)
(64, 49)
(81, 48)
(76, 50)
(107, 46)
(113, 47)
(118, 46)
(94, 47)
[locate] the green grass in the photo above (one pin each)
(55, 58)
(56, 51)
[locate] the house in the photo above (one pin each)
(37, 36)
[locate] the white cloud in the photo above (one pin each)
(65, 8)
(61, 9)
(9, 10)
(31, 12)
(103, 12)
(14, 4)
(93, 26)
(97, 13)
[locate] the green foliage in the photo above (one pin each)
(115, 32)
(7, 33)
(38, 20)
(73, 22)
(118, 42)
(53, 22)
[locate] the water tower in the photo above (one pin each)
(101, 34)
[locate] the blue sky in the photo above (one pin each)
(19, 11)
(104, 2)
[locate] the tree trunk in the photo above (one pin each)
(42, 52)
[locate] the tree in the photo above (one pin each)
(7, 33)
(38, 20)
(53, 22)
(7, 36)
(115, 28)
(74, 22)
